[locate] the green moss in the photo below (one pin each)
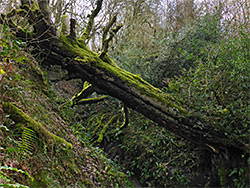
(37, 76)
(99, 121)
(105, 127)
(141, 87)
(118, 174)
(86, 86)
(75, 48)
(66, 42)
(35, 6)
(20, 117)
(125, 117)
(86, 33)
(91, 100)
(65, 24)
(38, 112)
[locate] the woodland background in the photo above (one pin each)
(196, 51)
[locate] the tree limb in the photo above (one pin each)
(86, 33)
(72, 34)
(125, 117)
(105, 40)
(44, 7)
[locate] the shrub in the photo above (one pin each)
(218, 89)
(182, 49)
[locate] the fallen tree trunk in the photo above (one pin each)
(98, 69)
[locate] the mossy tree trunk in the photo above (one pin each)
(107, 78)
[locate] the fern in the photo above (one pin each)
(13, 185)
(28, 140)
(6, 178)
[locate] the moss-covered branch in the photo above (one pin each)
(105, 127)
(81, 98)
(86, 33)
(139, 95)
(87, 90)
(19, 116)
(125, 117)
(92, 100)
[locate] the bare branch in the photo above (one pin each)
(105, 40)
(107, 28)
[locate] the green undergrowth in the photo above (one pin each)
(150, 154)
(156, 157)
(218, 89)
(26, 149)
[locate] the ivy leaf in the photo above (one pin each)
(5, 27)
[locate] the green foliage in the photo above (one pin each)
(239, 176)
(51, 165)
(13, 185)
(214, 85)
(16, 170)
(9, 54)
(211, 68)
(218, 89)
(152, 155)
(183, 49)
(102, 116)
(8, 181)
(28, 140)
(174, 51)
(131, 57)
(10, 45)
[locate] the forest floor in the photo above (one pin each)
(24, 152)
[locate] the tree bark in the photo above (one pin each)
(44, 7)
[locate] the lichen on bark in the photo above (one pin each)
(65, 25)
